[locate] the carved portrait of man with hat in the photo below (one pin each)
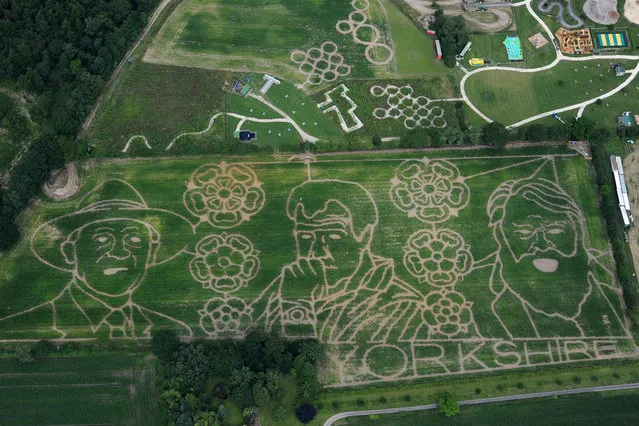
(107, 245)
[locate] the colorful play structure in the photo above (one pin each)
(513, 48)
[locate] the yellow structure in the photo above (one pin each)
(576, 42)
(475, 62)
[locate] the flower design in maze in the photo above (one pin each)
(366, 34)
(224, 195)
(321, 64)
(447, 313)
(439, 257)
(430, 190)
(402, 105)
(226, 318)
(225, 263)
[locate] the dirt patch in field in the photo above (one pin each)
(631, 166)
(62, 184)
(631, 11)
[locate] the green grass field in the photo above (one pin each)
(98, 389)
(592, 409)
(415, 51)
(248, 34)
(182, 285)
(528, 26)
(509, 97)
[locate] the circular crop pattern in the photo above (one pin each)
(412, 110)
(224, 195)
(225, 318)
(321, 64)
(430, 190)
(447, 313)
(369, 35)
(440, 257)
(225, 263)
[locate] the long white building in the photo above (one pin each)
(622, 189)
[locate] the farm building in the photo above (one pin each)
(438, 49)
(622, 189)
(513, 48)
(576, 42)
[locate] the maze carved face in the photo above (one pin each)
(331, 243)
(112, 256)
(543, 259)
(531, 231)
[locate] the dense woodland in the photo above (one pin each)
(62, 51)
(196, 381)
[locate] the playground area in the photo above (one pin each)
(513, 48)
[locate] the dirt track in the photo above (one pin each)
(631, 168)
(454, 7)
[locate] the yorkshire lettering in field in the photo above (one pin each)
(419, 267)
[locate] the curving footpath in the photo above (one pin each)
(560, 14)
(560, 57)
(340, 416)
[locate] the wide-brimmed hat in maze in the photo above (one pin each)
(112, 199)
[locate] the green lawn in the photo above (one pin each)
(97, 389)
(528, 26)
(591, 409)
(414, 50)
(490, 47)
(508, 97)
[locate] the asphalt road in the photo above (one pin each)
(346, 414)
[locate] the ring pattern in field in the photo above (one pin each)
(321, 64)
(402, 105)
(355, 24)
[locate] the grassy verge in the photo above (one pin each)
(500, 384)
(591, 409)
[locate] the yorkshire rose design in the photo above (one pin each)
(224, 195)
(226, 318)
(225, 262)
(439, 257)
(448, 313)
(430, 190)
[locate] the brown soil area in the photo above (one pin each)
(631, 169)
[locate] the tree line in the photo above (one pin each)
(196, 381)
(63, 52)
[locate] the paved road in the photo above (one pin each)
(152, 20)
(346, 414)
